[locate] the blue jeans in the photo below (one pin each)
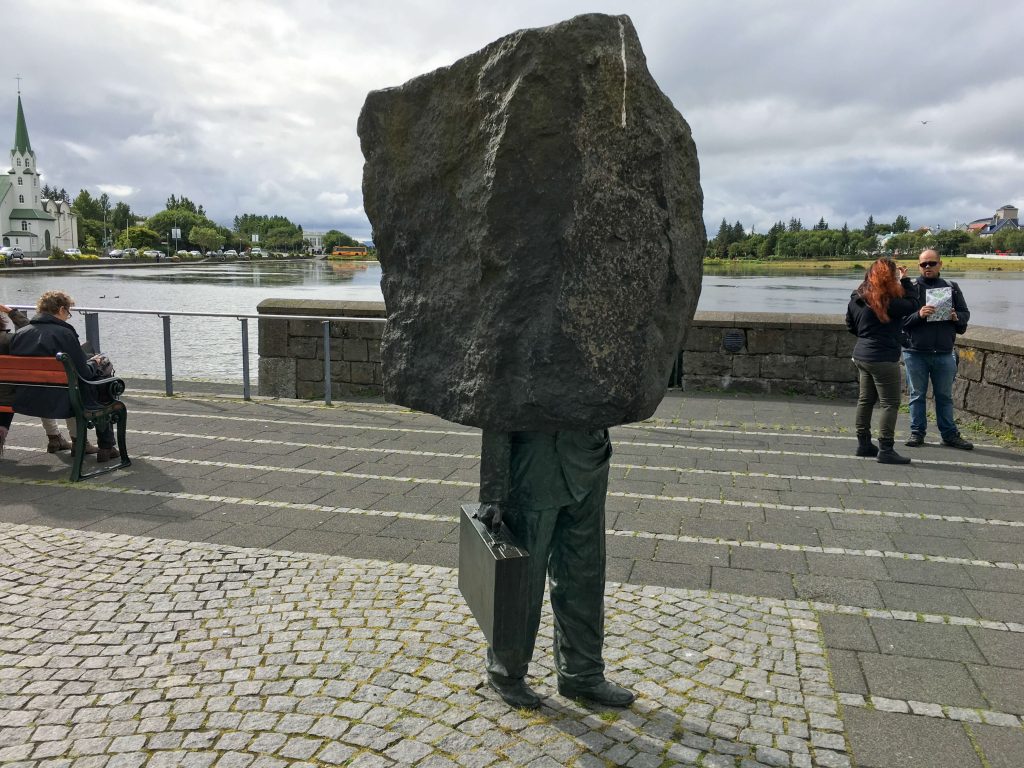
(941, 368)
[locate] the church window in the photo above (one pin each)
(21, 198)
(24, 226)
(20, 181)
(27, 161)
(18, 161)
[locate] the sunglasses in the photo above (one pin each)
(924, 264)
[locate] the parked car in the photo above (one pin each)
(131, 253)
(72, 252)
(117, 253)
(12, 254)
(231, 253)
(183, 254)
(152, 254)
(257, 253)
(195, 254)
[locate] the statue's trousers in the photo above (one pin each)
(556, 511)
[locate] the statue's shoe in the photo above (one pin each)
(605, 693)
(515, 693)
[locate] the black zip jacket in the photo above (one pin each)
(879, 342)
(938, 335)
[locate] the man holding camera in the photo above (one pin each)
(928, 353)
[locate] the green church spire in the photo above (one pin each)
(21, 142)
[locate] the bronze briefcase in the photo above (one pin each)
(492, 578)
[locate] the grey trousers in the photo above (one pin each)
(879, 383)
(566, 544)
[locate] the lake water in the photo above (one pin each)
(210, 348)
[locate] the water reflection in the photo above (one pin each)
(210, 348)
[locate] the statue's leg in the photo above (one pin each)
(533, 529)
(577, 569)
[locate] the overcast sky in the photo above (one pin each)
(803, 109)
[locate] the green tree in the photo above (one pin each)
(138, 237)
(821, 225)
(870, 228)
(795, 225)
(207, 238)
(182, 218)
(950, 242)
(119, 217)
(901, 224)
(333, 237)
(184, 204)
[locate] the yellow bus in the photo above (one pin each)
(348, 252)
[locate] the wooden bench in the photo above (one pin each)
(59, 371)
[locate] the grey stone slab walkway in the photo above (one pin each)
(272, 584)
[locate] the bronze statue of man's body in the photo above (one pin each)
(537, 212)
(549, 489)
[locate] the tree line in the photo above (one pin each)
(793, 242)
(102, 224)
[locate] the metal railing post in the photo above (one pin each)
(168, 373)
(92, 331)
(327, 361)
(246, 395)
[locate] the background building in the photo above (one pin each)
(28, 221)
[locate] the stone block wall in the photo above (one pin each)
(743, 351)
(291, 352)
(990, 381)
(769, 353)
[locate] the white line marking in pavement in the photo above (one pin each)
(271, 421)
(812, 455)
(325, 446)
(769, 545)
(822, 479)
(928, 709)
(803, 605)
(808, 433)
(766, 545)
(619, 494)
(920, 618)
(205, 397)
(814, 508)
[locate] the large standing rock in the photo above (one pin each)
(537, 212)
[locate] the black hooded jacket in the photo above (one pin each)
(879, 342)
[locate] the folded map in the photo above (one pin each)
(942, 300)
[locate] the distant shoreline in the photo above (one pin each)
(814, 266)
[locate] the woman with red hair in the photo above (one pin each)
(875, 315)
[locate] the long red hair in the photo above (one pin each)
(881, 285)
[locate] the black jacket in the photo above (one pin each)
(879, 342)
(17, 317)
(938, 335)
(46, 335)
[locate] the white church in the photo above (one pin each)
(27, 221)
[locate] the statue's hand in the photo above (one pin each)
(489, 514)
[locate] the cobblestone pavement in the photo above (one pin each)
(271, 584)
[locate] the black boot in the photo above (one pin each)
(886, 454)
(864, 445)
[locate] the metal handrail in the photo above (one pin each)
(92, 335)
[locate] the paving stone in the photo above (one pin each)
(882, 740)
(927, 641)
(1002, 688)
(941, 682)
(848, 632)
(1002, 747)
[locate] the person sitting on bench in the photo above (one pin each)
(10, 321)
(48, 333)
